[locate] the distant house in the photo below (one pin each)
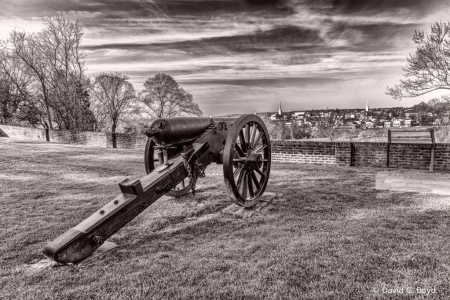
(407, 123)
(409, 115)
(387, 124)
(298, 114)
(349, 116)
(396, 123)
(325, 114)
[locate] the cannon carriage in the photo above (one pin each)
(177, 152)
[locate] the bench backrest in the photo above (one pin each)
(424, 136)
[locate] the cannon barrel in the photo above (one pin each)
(177, 130)
(168, 131)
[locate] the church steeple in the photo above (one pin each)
(280, 112)
(367, 105)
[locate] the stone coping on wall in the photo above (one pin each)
(356, 143)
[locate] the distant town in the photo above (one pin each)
(365, 124)
(422, 114)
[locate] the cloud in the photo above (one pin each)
(120, 9)
(296, 50)
(390, 6)
(280, 38)
(307, 82)
(371, 37)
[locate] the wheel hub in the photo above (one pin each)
(252, 161)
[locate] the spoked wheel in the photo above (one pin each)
(152, 162)
(246, 160)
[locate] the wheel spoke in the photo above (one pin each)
(247, 134)
(243, 144)
(261, 173)
(241, 177)
(252, 138)
(260, 148)
(238, 171)
(250, 185)
(255, 180)
(257, 139)
(244, 186)
(239, 150)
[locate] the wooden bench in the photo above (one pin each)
(415, 137)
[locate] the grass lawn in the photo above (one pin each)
(329, 234)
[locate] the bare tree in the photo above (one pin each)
(53, 58)
(165, 98)
(22, 47)
(277, 129)
(59, 44)
(427, 70)
(440, 105)
(325, 128)
(112, 95)
(9, 102)
(302, 131)
(17, 104)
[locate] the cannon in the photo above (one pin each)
(177, 152)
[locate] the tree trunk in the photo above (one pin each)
(113, 133)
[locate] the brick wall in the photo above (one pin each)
(410, 156)
(343, 153)
(358, 154)
(25, 133)
(442, 157)
(127, 141)
(303, 152)
(369, 154)
(362, 154)
(96, 139)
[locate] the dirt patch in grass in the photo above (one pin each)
(330, 236)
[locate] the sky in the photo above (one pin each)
(245, 56)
